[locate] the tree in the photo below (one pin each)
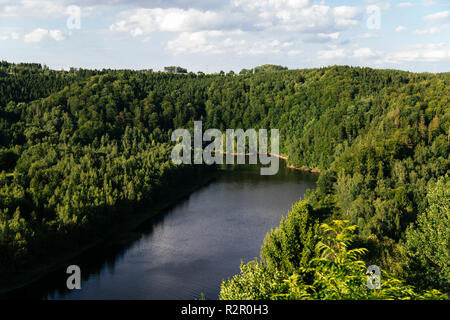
(428, 240)
(335, 274)
(291, 245)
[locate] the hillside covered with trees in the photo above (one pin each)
(78, 148)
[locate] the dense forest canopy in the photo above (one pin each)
(78, 147)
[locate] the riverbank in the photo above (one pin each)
(302, 168)
(281, 156)
(187, 249)
(127, 223)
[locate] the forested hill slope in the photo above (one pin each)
(25, 82)
(76, 145)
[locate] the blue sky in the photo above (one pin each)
(211, 35)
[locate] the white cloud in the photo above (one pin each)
(15, 35)
(56, 35)
(36, 35)
(333, 36)
(346, 16)
(368, 35)
(312, 19)
(294, 52)
(438, 17)
(271, 4)
(432, 30)
(404, 5)
(337, 53)
(429, 3)
(364, 53)
(221, 42)
(145, 21)
(429, 52)
(7, 35)
(23, 8)
(40, 34)
(248, 15)
(400, 28)
(386, 5)
(333, 53)
(438, 22)
(215, 32)
(39, 8)
(212, 42)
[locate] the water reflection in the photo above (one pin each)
(190, 247)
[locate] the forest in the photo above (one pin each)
(79, 148)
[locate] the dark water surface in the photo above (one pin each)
(190, 247)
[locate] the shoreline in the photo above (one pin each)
(281, 156)
(302, 168)
(128, 223)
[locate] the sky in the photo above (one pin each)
(212, 35)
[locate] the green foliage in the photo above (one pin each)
(255, 282)
(76, 160)
(30, 81)
(292, 244)
(270, 67)
(8, 159)
(79, 147)
(428, 240)
(335, 274)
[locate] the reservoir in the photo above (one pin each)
(190, 247)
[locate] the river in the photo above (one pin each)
(190, 247)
